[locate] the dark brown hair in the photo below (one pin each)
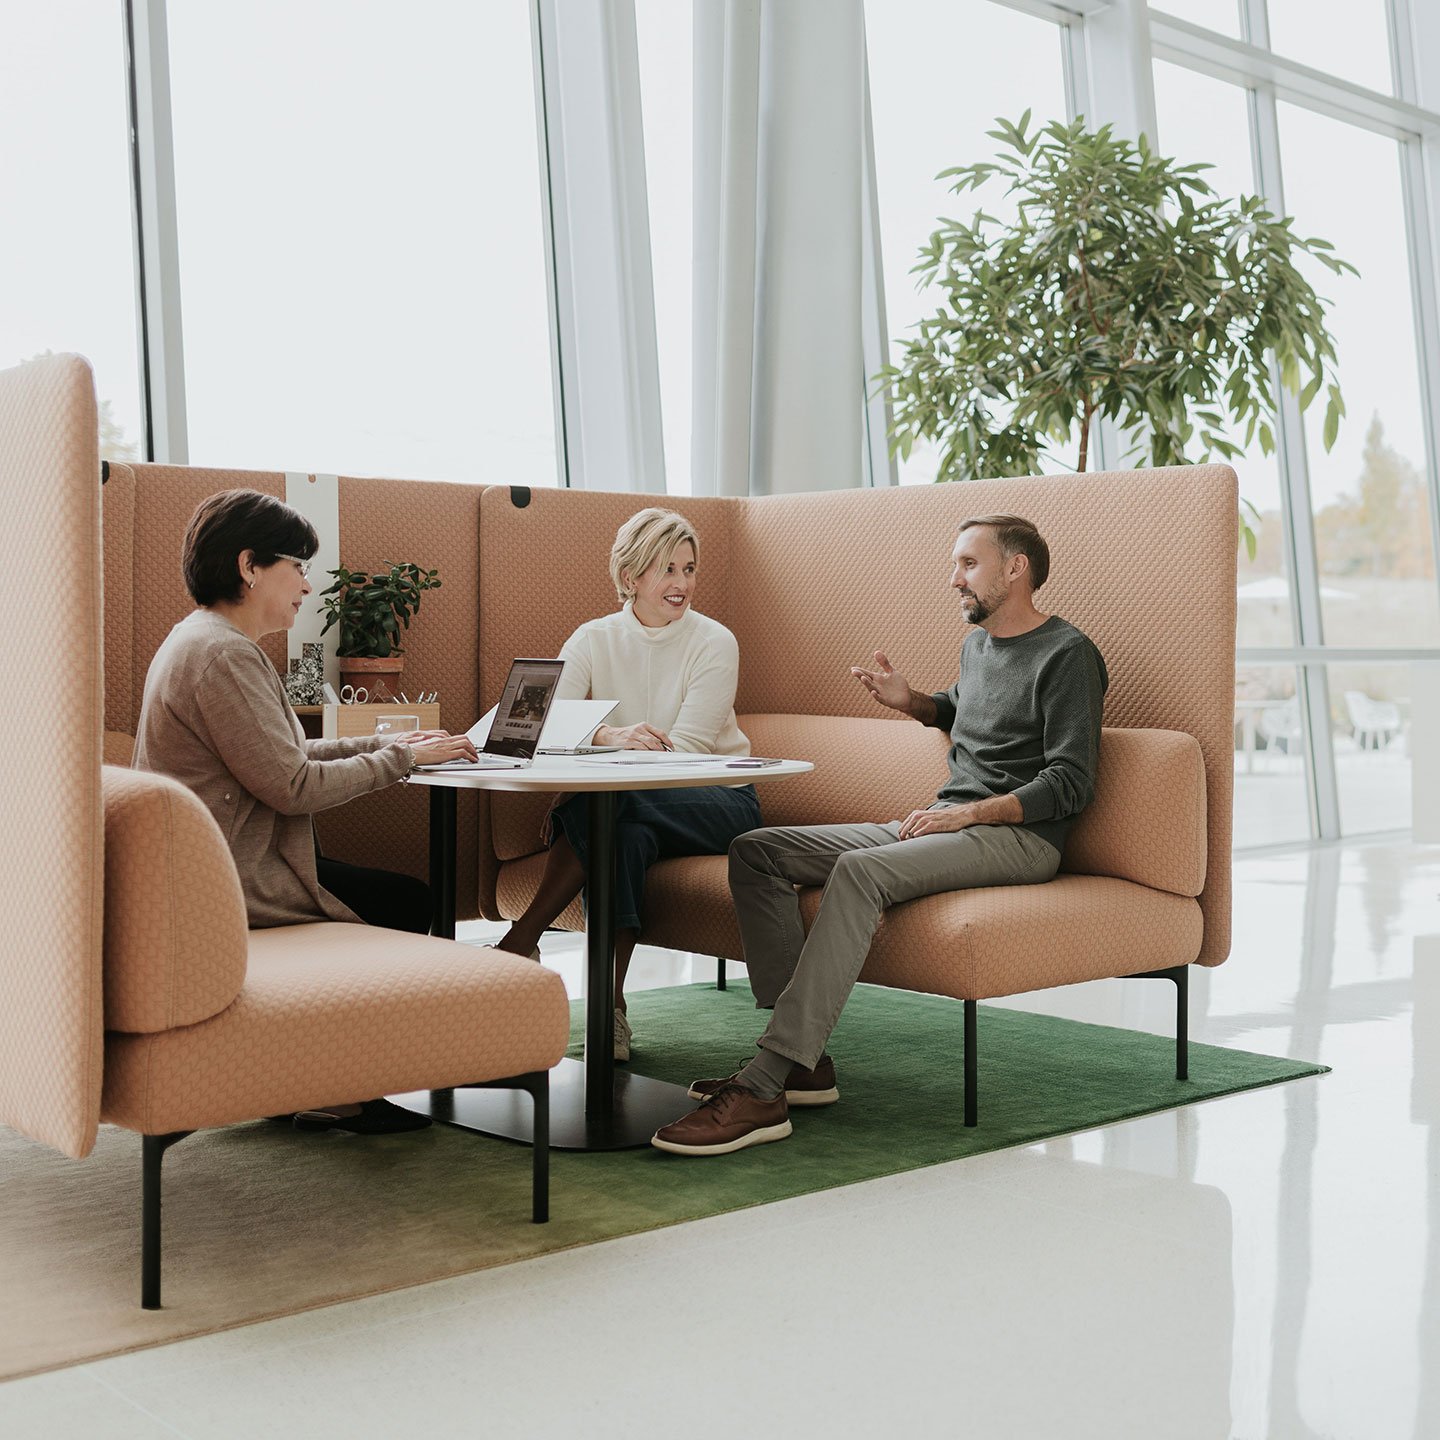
(1017, 536)
(234, 520)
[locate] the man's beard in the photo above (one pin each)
(977, 610)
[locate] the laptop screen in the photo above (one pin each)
(524, 704)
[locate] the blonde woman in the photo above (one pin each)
(672, 673)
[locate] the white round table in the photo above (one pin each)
(592, 1106)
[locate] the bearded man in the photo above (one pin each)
(1024, 724)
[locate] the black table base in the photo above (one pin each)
(640, 1106)
(594, 1105)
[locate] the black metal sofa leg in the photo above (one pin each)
(1182, 1022)
(1179, 975)
(537, 1082)
(972, 1097)
(152, 1155)
(540, 1159)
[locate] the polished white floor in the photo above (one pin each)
(1265, 1266)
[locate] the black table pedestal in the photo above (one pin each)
(639, 1107)
(593, 1106)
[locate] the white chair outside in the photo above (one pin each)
(1280, 725)
(1373, 721)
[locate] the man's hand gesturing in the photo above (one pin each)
(885, 683)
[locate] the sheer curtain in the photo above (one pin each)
(778, 368)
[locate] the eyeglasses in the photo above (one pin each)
(303, 566)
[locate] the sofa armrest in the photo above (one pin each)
(175, 928)
(1147, 822)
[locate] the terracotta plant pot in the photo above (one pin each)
(379, 675)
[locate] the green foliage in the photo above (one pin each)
(1383, 530)
(371, 609)
(1126, 288)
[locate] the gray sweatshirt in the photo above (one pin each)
(1024, 720)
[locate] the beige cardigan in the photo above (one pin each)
(215, 717)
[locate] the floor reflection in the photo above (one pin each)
(1285, 1242)
(1425, 1110)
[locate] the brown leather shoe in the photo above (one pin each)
(730, 1119)
(802, 1086)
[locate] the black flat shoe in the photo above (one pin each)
(376, 1117)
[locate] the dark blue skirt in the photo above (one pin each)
(656, 825)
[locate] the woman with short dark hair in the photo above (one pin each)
(215, 717)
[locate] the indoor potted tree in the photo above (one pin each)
(371, 610)
(1125, 287)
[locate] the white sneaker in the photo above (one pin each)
(623, 1036)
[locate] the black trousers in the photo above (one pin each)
(378, 897)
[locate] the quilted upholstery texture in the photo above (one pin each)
(870, 769)
(436, 526)
(117, 509)
(516, 883)
(175, 934)
(1147, 820)
(50, 814)
(1142, 561)
(119, 748)
(331, 1013)
(969, 944)
(983, 944)
(544, 570)
(817, 582)
(688, 907)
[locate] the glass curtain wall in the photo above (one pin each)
(1346, 38)
(925, 122)
(1219, 15)
(1202, 120)
(363, 270)
(1371, 511)
(67, 248)
(664, 32)
(362, 252)
(1362, 509)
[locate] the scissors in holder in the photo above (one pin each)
(349, 695)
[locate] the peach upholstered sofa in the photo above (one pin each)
(131, 992)
(1143, 562)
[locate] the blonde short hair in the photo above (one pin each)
(648, 538)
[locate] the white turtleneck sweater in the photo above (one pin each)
(679, 677)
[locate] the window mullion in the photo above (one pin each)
(157, 245)
(1295, 503)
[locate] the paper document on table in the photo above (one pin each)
(653, 757)
(670, 757)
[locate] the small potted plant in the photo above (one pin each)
(370, 610)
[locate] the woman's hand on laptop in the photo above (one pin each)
(439, 749)
(415, 737)
(632, 737)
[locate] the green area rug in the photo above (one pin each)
(261, 1221)
(898, 1059)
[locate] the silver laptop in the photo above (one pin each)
(514, 733)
